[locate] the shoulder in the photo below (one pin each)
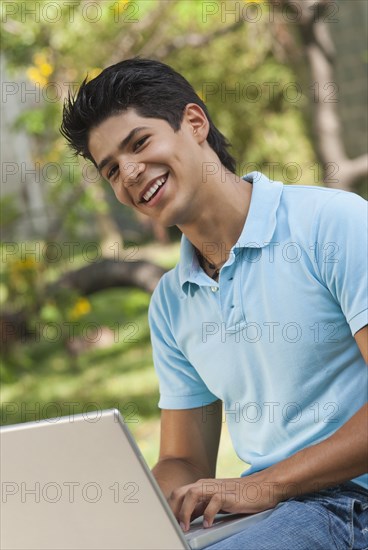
(320, 197)
(166, 294)
(314, 208)
(308, 196)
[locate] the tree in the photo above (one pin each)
(235, 64)
(311, 21)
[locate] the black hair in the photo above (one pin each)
(150, 87)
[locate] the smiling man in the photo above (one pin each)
(265, 314)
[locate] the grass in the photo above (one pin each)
(47, 378)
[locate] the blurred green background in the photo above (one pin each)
(284, 83)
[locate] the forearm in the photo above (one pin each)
(339, 458)
(171, 473)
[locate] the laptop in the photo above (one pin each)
(80, 482)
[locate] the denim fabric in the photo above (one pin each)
(335, 518)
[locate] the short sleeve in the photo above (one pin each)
(181, 387)
(342, 254)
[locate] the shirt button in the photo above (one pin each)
(214, 288)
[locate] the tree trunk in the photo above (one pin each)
(339, 171)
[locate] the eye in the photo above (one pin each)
(139, 143)
(112, 172)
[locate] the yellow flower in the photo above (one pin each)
(45, 69)
(120, 7)
(34, 75)
(23, 265)
(92, 73)
(42, 68)
(80, 308)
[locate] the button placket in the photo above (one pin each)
(231, 309)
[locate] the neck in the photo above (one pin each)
(218, 217)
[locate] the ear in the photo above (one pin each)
(195, 118)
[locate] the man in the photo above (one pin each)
(266, 312)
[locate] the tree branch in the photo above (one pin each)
(109, 273)
(195, 40)
(87, 280)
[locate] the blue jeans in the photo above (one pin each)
(335, 518)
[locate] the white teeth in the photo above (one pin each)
(154, 188)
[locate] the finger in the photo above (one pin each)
(192, 498)
(198, 510)
(176, 498)
(213, 508)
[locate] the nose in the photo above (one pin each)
(130, 172)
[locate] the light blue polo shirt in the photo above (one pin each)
(273, 339)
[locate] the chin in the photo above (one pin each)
(173, 218)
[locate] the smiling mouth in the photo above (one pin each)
(154, 189)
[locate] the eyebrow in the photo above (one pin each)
(121, 146)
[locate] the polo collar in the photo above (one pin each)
(257, 232)
(260, 224)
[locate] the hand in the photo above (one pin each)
(209, 497)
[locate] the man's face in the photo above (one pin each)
(150, 167)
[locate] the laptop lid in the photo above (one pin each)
(80, 482)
